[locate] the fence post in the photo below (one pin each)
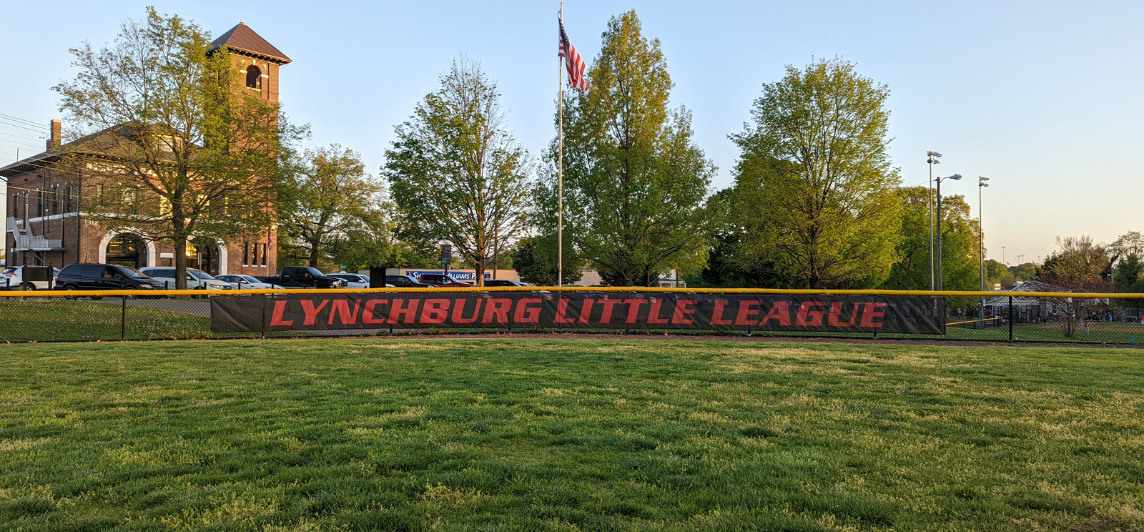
(1010, 319)
(123, 321)
(264, 298)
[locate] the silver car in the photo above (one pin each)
(244, 282)
(353, 280)
(196, 279)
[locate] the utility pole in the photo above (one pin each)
(932, 160)
(981, 184)
(955, 177)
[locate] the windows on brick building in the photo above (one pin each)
(253, 77)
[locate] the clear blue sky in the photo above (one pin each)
(1043, 97)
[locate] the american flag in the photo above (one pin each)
(572, 60)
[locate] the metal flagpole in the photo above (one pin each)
(560, 167)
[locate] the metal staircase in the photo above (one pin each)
(26, 241)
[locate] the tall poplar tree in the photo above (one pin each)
(814, 180)
(634, 180)
(456, 173)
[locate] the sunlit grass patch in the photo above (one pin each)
(544, 434)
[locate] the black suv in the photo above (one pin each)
(104, 277)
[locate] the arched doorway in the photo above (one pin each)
(127, 249)
(204, 255)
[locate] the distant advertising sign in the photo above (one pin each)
(579, 310)
(457, 275)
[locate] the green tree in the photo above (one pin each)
(634, 180)
(1078, 266)
(1129, 277)
(727, 266)
(1129, 274)
(535, 260)
(960, 267)
(1023, 272)
(997, 273)
(535, 257)
(911, 268)
(1130, 243)
(176, 148)
(370, 241)
(330, 195)
(456, 173)
(814, 178)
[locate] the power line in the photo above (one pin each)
(4, 143)
(22, 127)
(22, 144)
(20, 137)
(18, 119)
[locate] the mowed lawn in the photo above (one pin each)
(568, 434)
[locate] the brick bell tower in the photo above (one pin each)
(258, 62)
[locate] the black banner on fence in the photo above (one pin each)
(578, 310)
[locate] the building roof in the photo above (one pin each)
(243, 39)
(103, 143)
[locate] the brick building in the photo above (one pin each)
(46, 223)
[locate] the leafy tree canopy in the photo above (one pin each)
(457, 175)
(814, 180)
(634, 180)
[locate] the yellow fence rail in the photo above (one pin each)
(769, 291)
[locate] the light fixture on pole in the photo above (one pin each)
(955, 177)
(932, 159)
(982, 182)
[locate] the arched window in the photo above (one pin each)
(253, 77)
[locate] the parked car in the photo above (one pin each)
(196, 279)
(104, 277)
(352, 280)
(440, 279)
(12, 278)
(304, 277)
(404, 281)
(244, 282)
(502, 282)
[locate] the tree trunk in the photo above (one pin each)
(480, 267)
(180, 243)
(315, 245)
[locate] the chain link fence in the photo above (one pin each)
(39, 316)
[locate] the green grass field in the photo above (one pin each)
(557, 434)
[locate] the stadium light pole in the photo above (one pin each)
(931, 158)
(955, 177)
(982, 182)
